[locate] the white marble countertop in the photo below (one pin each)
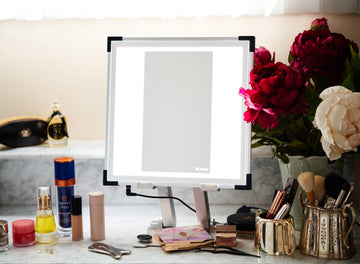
(123, 224)
(76, 148)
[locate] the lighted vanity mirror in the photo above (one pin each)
(174, 114)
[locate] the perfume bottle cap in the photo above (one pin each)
(56, 106)
(44, 198)
(64, 171)
(76, 207)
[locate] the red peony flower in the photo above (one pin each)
(319, 24)
(277, 89)
(262, 56)
(321, 52)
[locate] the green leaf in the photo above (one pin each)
(352, 72)
(267, 136)
(291, 57)
(313, 99)
(256, 145)
(298, 144)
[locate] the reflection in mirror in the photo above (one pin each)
(176, 126)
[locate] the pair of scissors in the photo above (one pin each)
(103, 248)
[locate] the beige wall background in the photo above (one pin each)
(66, 60)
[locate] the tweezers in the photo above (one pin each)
(226, 250)
(103, 248)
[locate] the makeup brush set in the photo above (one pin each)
(329, 192)
(328, 218)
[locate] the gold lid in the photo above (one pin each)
(44, 202)
(3, 227)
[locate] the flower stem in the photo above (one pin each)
(317, 142)
(293, 121)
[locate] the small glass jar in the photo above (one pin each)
(4, 236)
(23, 233)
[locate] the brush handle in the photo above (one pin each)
(311, 198)
(347, 196)
(275, 206)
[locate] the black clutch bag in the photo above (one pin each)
(23, 131)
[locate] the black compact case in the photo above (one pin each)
(22, 132)
(244, 219)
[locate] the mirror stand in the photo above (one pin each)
(168, 214)
(167, 207)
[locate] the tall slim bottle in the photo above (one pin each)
(64, 181)
(57, 129)
(45, 228)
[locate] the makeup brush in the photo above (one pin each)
(334, 184)
(290, 189)
(306, 181)
(319, 189)
(275, 205)
(347, 196)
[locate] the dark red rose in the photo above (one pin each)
(277, 89)
(262, 56)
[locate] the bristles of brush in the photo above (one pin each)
(334, 184)
(306, 181)
(319, 189)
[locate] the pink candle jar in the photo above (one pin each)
(23, 233)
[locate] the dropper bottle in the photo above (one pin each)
(45, 228)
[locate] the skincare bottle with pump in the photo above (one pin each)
(45, 228)
(65, 188)
(57, 130)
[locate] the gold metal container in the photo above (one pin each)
(274, 237)
(327, 233)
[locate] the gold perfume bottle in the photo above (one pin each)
(57, 130)
(45, 228)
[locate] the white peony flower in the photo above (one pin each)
(338, 118)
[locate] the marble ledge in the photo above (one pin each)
(79, 149)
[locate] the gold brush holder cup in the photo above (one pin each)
(327, 233)
(274, 237)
